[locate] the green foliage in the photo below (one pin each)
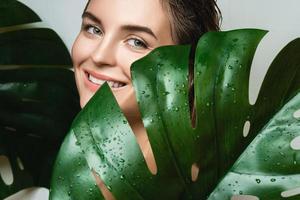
(14, 13)
(269, 167)
(100, 138)
(36, 46)
(38, 97)
(27, 44)
(37, 105)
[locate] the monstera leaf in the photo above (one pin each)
(38, 98)
(24, 40)
(102, 141)
(37, 106)
(15, 13)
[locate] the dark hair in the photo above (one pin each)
(190, 19)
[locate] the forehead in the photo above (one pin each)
(148, 13)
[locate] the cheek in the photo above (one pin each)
(75, 53)
(81, 50)
(85, 96)
(126, 99)
(126, 57)
(80, 53)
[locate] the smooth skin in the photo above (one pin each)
(114, 34)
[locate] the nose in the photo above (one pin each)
(104, 52)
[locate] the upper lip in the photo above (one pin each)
(102, 76)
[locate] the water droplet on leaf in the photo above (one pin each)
(166, 93)
(273, 179)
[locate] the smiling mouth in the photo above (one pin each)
(97, 81)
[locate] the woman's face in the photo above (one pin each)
(114, 34)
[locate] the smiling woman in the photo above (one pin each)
(115, 33)
(111, 39)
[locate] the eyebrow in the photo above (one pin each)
(137, 28)
(129, 27)
(91, 17)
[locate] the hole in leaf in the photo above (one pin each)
(139, 130)
(297, 114)
(295, 143)
(291, 193)
(246, 128)
(244, 197)
(6, 171)
(20, 163)
(194, 172)
(143, 141)
(103, 188)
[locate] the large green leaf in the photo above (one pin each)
(38, 97)
(14, 13)
(37, 106)
(100, 138)
(39, 46)
(28, 44)
(269, 168)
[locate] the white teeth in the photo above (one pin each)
(112, 84)
(116, 85)
(95, 80)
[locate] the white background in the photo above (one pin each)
(280, 17)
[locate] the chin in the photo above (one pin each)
(84, 99)
(82, 103)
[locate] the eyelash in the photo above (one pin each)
(86, 28)
(143, 44)
(99, 32)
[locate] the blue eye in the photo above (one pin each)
(136, 43)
